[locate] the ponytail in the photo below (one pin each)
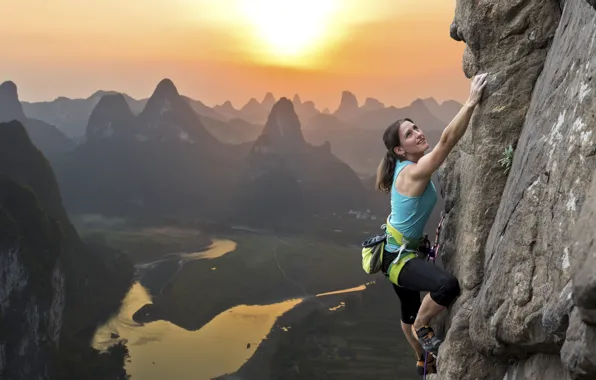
(386, 168)
(385, 172)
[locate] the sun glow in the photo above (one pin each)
(290, 31)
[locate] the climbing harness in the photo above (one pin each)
(408, 249)
(374, 247)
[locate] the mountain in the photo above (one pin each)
(70, 116)
(358, 141)
(163, 160)
(110, 117)
(47, 138)
(348, 107)
(203, 110)
(72, 286)
(445, 111)
(304, 110)
(232, 131)
(227, 110)
(282, 168)
(268, 101)
(254, 112)
(372, 104)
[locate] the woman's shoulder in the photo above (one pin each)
(404, 163)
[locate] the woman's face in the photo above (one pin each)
(412, 140)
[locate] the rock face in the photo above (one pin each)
(31, 284)
(52, 285)
(510, 238)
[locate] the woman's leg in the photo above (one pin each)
(409, 303)
(421, 275)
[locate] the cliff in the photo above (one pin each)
(521, 242)
(54, 288)
(31, 284)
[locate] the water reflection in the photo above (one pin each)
(355, 289)
(217, 249)
(162, 350)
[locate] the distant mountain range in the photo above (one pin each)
(164, 160)
(348, 128)
(168, 154)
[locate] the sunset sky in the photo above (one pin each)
(217, 50)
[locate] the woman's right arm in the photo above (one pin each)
(428, 164)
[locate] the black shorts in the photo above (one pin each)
(419, 275)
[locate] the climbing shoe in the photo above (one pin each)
(431, 364)
(427, 338)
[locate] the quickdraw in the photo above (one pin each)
(434, 251)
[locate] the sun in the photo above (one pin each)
(289, 31)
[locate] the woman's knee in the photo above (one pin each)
(448, 290)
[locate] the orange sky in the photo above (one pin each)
(394, 50)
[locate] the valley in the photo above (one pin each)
(226, 295)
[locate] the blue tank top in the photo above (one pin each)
(410, 214)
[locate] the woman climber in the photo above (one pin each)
(405, 173)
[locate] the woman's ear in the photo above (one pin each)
(399, 151)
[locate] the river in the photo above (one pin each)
(161, 350)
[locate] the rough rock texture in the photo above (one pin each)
(508, 238)
(31, 285)
(579, 351)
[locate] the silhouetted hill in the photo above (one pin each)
(204, 110)
(163, 160)
(268, 101)
(95, 279)
(233, 131)
(282, 168)
(71, 116)
(47, 138)
(306, 110)
(445, 111)
(358, 141)
(372, 104)
(254, 112)
(348, 107)
(227, 109)
(111, 117)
